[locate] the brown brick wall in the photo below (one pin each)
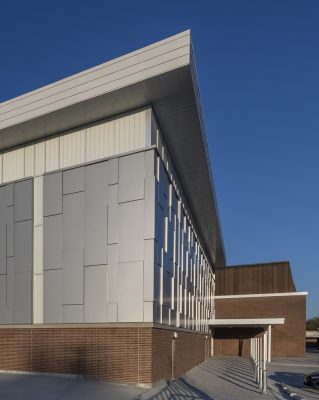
(288, 340)
(190, 349)
(130, 355)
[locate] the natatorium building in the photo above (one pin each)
(109, 230)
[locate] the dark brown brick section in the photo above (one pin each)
(190, 349)
(288, 340)
(130, 355)
(273, 277)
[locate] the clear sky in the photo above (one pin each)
(258, 65)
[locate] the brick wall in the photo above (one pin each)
(190, 349)
(130, 355)
(288, 340)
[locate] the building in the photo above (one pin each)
(312, 339)
(260, 291)
(106, 190)
(109, 230)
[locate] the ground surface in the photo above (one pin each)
(219, 378)
(291, 372)
(45, 387)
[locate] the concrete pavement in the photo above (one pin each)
(40, 387)
(219, 378)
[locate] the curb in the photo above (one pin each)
(291, 393)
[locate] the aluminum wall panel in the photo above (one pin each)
(131, 231)
(22, 311)
(148, 271)
(113, 215)
(96, 198)
(95, 294)
(131, 177)
(112, 274)
(52, 242)
(72, 276)
(73, 221)
(10, 231)
(10, 283)
(23, 209)
(113, 171)
(3, 291)
(52, 300)
(52, 194)
(130, 305)
(9, 194)
(23, 246)
(3, 258)
(72, 314)
(73, 180)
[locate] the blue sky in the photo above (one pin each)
(258, 64)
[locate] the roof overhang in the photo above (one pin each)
(161, 75)
(245, 323)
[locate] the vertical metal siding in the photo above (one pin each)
(13, 165)
(52, 154)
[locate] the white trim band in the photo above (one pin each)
(246, 322)
(242, 296)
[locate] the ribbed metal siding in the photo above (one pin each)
(109, 138)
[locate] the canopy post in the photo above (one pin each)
(264, 366)
(269, 343)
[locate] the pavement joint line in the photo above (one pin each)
(291, 393)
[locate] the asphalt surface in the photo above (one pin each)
(291, 372)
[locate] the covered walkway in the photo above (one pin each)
(258, 331)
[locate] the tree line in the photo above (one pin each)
(312, 324)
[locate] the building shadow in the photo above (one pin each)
(237, 371)
(180, 389)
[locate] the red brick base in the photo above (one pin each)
(140, 355)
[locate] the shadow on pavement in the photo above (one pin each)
(289, 378)
(236, 371)
(180, 390)
(294, 380)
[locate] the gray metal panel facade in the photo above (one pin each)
(16, 252)
(52, 194)
(94, 243)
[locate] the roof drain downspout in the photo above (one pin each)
(175, 336)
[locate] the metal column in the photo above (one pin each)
(269, 343)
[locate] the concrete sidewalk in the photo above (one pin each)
(219, 378)
(46, 387)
